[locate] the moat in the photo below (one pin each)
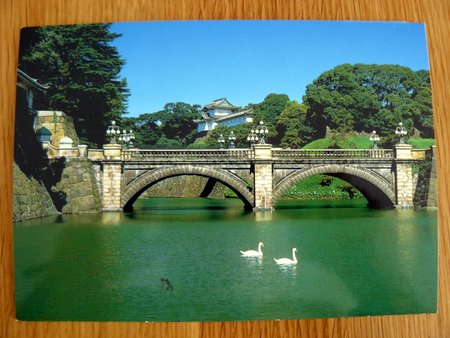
(114, 266)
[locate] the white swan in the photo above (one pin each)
(254, 253)
(288, 261)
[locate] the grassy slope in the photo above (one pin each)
(310, 188)
(363, 142)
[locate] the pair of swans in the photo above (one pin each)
(281, 261)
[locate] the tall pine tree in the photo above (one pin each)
(82, 70)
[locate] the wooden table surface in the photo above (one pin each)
(19, 13)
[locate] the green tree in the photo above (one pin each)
(146, 131)
(177, 122)
(82, 70)
(370, 97)
(212, 137)
(268, 111)
(293, 127)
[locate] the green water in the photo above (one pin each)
(353, 261)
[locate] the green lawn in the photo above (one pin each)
(353, 142)
(421, 143)
(311, 188)
(363, 142)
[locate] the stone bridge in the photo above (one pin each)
(259, 176)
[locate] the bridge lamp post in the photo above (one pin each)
(221, 141)
(232, 138)
(252, 137)
(126, 138)
(261, 130)
(401, 132)
(374, 138)
(112, 131)
(132, 138)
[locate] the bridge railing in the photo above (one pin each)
(332, 153)
(187, 154)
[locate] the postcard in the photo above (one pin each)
(224, 171)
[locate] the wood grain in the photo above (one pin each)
(19, 13)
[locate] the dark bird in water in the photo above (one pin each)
(166, 282)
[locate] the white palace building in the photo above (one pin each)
(222, 113)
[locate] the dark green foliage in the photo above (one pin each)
(269, 111)
(211, 139)
(177, 121)
(146, 131)
(172, 127)
(370, 97)
(82, 71)
(349, 189)
(326, 181)
(293, 128)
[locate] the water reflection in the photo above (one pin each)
(263, 216)
(112, 218)
(288, 269)
(253, 261)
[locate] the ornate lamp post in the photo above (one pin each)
(231, 138)
(258, 133)
(132, 138)
(221, 141)
(374, 138)
(400, 131)
(261, 130)
(112, 131)
(252, 137)
(126, 138)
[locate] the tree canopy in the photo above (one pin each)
(171, 127)
(370, 97)
(293, 127)
(82, 70)
(268, 111)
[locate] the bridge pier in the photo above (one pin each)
(263, 177)
(112, 177)
(404, 185)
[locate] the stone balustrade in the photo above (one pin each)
(248, 154)
(186, 154)
(332, 153)
(67, 151)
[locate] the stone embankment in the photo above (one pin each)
(79, 188)
(187, 186)
(30, 198)
(426, 182)
(75, 191)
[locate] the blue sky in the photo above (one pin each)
(199, 61)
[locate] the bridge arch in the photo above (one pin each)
(376, 189)
(137, 186)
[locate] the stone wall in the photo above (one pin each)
(78, 187)
(30, 197)
(186, 186)
(426, 182)
(59, 124)
(73, 189)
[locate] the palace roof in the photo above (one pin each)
(205, 116)
(219, 103)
